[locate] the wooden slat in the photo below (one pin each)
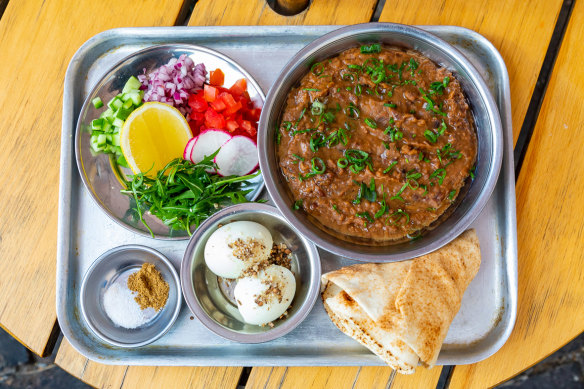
(252, 12)
(339, 378)
(38, 38)
(143, 377)
(520, 30)
(550, 215)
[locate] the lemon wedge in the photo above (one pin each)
(152, 136)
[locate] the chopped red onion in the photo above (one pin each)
(174, 82)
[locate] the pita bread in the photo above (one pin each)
(402, 310)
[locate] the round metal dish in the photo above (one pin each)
(101, 175)
(489, 134)
(209, 300)
(111, 267)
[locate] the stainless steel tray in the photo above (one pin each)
(489, 307)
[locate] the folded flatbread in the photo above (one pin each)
(402, 310)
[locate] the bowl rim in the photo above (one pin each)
(486, 98)
(194, 305)
(86, 103)
(105, 256)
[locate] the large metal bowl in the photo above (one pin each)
(211, 300)
(101, 175)
(486, 115)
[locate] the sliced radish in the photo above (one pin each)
(189, 148)
(208, 142)
(237, 157)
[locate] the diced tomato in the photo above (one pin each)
(214, 119)
(232, 125)
(233, 109)
(248, 127)
(239, 87)
(227, 99)
(211, 93)
(197, 102)
(195, 128)
(218, 105)
(216, 77)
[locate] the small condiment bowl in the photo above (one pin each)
(208, 296)
(113, 266)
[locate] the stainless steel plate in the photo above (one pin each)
(115, 266)
(100, 174)
(488, 129)
(489, 306)
(217, 309)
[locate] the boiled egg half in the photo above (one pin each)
(236, 246)
(266, 296)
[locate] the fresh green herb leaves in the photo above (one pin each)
(438, 87)
(318, 167)
(366, 192)
(184, 194)
(431, 136)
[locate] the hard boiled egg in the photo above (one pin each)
(266, 296)
(236, 246)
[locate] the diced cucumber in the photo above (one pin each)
(97, 103)
(118, 122)
(105, 131)
(115, 103)
(107, 126)
(107, 113)
(128, 104)
(97, 124)
(116, 139)
(101, 139)
(137, 98)
(132, 84)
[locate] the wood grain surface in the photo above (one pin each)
(256, 12)
(339, 378)
(550, 214)
(520, 30)
(38, 38)
(144, 377)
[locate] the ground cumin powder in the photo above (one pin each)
(151, 287)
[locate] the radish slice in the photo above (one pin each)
(237, 157)
(208, 142)
(189, 148)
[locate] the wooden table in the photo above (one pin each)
(39, 37)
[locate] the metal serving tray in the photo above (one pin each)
(489, 307)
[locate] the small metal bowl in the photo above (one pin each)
(484, 109)
(100, 173)
(208, 297)
(111, 267)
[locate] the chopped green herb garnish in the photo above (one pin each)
(440, 174)
(472, 172)
(395, 217)
(336, 208)
(342, 162)
(451, 194)
(431, 136)
(371, 49)
(311, 89)
(391, 165)
(297, 205)
(298, 157)
(317, 108)
(370, 122)
(317, 69)
(365, 215)
(390, 105)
